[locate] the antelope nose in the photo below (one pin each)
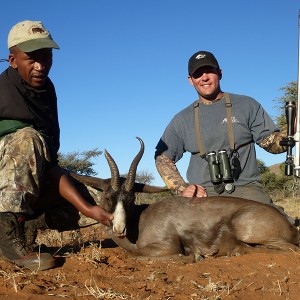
(119, 231)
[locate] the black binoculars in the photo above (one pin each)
(220, 171)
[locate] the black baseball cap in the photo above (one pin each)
(202, 59)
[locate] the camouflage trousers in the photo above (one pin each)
(24, 187)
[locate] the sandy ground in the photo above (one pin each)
(100, 270)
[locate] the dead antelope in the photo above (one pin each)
(176, 226)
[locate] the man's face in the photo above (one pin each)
(206, 81)
(33, 66)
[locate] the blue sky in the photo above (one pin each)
(121, 71)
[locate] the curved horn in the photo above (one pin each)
(115, 176)
(94, 182)
(130, 180)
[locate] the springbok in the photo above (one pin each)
(195, 227)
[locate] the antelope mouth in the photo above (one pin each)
(120, 236)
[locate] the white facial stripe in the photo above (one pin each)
(119, 221)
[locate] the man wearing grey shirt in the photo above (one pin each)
(217, 121)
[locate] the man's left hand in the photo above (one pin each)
(194, 190)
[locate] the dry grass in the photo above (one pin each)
(99, 293)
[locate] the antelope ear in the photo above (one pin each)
(145, 188)
(93, 182)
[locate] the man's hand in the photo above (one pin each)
(100, 214)
(194, 191)
(71, 194)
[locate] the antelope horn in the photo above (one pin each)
(115, 176)
(94, 182)
(130, 180)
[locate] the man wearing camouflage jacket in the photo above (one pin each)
(32, 184)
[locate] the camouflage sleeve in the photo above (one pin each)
(271, 142)
(170, 174)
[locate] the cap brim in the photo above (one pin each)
(37, 44)
(191, 72)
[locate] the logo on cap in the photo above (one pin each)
(199, 56)
(37, 30)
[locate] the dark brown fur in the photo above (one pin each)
(214, 226)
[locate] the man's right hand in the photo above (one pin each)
(100, 214)
(71, 194)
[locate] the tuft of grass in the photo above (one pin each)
(220, 290)
(99, 293)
